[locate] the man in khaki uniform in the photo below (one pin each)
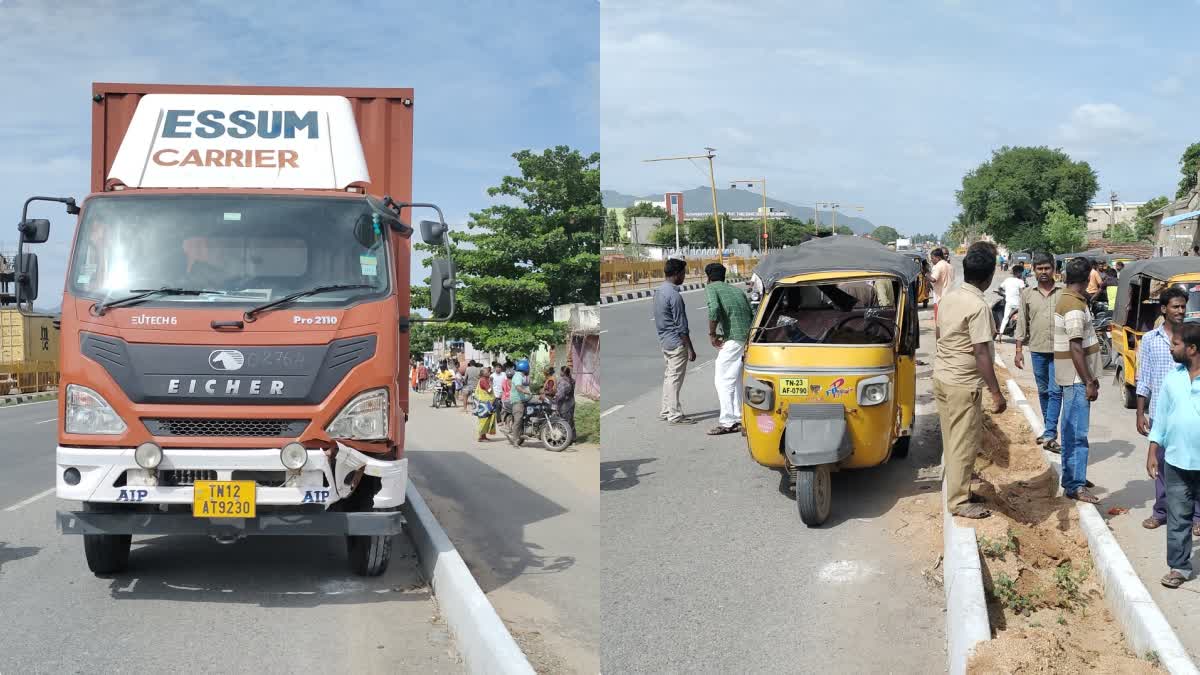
(964, 365)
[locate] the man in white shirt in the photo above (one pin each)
(941, 276)
(1012, 288)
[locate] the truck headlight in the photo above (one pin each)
(365, 417)
(874, 391)
(759, 394)
(293, 456)
(89, 413)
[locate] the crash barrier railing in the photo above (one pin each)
(28, 377)
(629, 274)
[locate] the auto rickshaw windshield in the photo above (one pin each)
(859, 311)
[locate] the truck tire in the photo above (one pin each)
(814, 494)
(369, 556)
(105, 553)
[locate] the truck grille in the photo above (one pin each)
(175, 477)
(199, 426)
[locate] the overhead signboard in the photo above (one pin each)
(241, 141)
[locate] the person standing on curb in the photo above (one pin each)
(1077, 367)
(1035, 327)
(940, 276)
(729, 310)
(671, 322)
(964, 365)
(1175, 437)
(1155, 361)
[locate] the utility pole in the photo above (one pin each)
(750, 183)
(1112, 210)
(712, 184)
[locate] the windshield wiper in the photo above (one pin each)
(142, 293)
(250, 313)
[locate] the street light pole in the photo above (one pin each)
(712, 184)
(762, 182)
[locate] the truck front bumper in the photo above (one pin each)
(110, 475)
(325, 524)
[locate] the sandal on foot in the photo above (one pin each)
(1082, 495)
(973, 511)
(1173, 579)
(1051, 445)
(1153, 523)
(720, 430)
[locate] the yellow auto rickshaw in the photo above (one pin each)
(830, 367)
(1136, 311)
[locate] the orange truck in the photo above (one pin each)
(234, 331)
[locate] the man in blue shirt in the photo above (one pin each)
(1177, 430)
(670, 319)
(1154, 362)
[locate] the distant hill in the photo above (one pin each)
(699, 200)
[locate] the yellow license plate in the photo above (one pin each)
(223, 499)
(793, 386)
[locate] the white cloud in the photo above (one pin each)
(1168, 86)
(1102, 124)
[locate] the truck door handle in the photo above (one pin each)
(238, 324)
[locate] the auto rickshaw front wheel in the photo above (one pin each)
(814, 494)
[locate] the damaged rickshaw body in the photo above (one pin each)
(830, 371)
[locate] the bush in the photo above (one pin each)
(587, 421)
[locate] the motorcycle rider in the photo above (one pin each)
(519, 395)
(1012, 288)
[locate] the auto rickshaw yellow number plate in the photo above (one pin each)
(223, 499)
(793, 386)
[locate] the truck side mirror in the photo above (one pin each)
(434, 233)
(34, 230)
(27, 276)
(441, 287)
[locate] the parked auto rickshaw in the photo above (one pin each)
(1136, 311)
(830, 369)
(1061, 260)
(923, 285)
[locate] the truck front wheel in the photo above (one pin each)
(105, 553)
(369, 556)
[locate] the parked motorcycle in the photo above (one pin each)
(543, 423)
(443, 395)
(1102, 322)
(998, 316)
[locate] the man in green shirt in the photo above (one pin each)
(729, 310)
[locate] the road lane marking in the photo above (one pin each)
(21, 405)
(694, 369)
(602, 332)
(45, 421)
(612, 410)
(31, 500)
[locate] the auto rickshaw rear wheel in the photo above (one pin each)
(1130, 397)
(814, 494)
(900, 447)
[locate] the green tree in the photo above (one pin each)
(1121, 233)
(1008, 194)
(844, 229)
(1063, 231)
(420, 339)
(664, 235)
(885, 234)
(538, 249)
(646, 210)
(702, 233)
(789, 232)
(612, 228)
(1143, 224)
(1189, 164)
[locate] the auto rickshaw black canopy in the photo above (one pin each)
(837, 254)
(1159, 269)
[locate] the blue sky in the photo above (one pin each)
(490, 78)
(888, 104)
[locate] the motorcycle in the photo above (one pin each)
(541, 422)
(1102, 322)
(443, 395)
(998, 316)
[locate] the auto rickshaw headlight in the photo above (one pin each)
(874, 391)
(758, 394)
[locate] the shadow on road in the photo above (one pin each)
(622, 474)
(11, 553)
(270, 571)
(488, 512)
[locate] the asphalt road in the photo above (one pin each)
(706, 565)
(268, 604)
(525, 522)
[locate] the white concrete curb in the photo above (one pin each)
(482, 638)
(1146, 629)
(966, 607)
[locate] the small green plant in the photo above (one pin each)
(1152, 657)
(1035, 624)
(1062, 620)
(996, 549)
(1068, 580)
(1004, 589)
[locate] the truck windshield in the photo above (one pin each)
(245, 249)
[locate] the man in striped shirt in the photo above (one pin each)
(1076, 369)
